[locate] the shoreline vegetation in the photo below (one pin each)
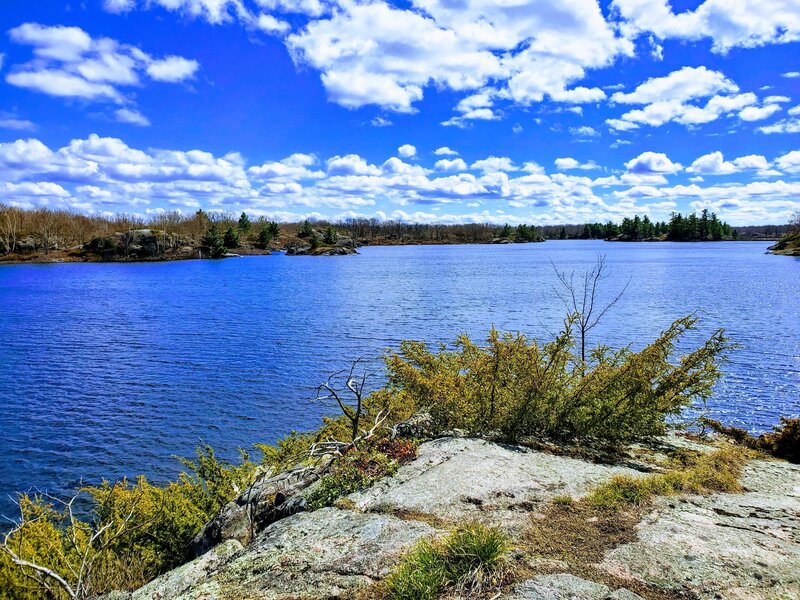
(555, 397)
(45, 236)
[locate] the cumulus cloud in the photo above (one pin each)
(106, 174)
(493, 164)
(790, 162)
(375, 53)
(455, 164)
(71, 64)
(674, 98)
(445, 151)
(652, 163)
(407, 151)
(728, 23)
(569, 163)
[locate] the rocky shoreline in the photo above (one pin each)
(267, 545)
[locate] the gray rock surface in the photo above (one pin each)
(269, 499)
(457, 478)
(182, 580)
(736, 546)
(329, 553)
(564, 586)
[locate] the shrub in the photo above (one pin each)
(782, 442)
(524, 388)
(147, 529)
(355, 471)
(717, 471)
(469, 559)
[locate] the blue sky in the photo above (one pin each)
(547, 111)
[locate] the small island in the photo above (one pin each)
(789, 244)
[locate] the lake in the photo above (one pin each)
(112, 369)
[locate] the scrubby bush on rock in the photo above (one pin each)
(520, 388)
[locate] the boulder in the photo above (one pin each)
(268, 500)
(732, 546)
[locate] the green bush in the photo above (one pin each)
(520, 388)
(147, 529)
(469, 559)
(355, 471)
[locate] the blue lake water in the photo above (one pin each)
(112, 369)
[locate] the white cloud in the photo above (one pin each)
(71, 64)
(684, 84)
(672, 97)
(380, 121)
(569, 163)
(652, 163)
(17, 124)
(790, 162)
(374, 53)
(584, 132)
(407, 151)
(729, 23)
(119, 6)
(784, 126)
(759, 113)
(105, 174)
(791, 75)
(445, 151)
(453, 165)
(172, 69)
(270, 24)
(493, 164)
(351, 164)
(711, 164)
(133, 117)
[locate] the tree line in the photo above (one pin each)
(44, 230)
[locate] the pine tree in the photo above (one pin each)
(231, 238)
(212, 242)
(330, 237)
(244, 225)
(306, 229)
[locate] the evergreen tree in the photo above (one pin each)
(212, 242)
(306, 229)
(244, 225)
(505, 232)
(562, 235)
(274, 229)
(231, 238)
(330, 237)
(264, 238)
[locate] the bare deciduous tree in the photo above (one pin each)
(87, 542)
(579, 292)
(335, 389)
(9, 226)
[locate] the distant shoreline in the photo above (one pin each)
(72, 257)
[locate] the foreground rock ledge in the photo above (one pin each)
(738, 546)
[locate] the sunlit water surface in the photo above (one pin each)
(112, 369)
